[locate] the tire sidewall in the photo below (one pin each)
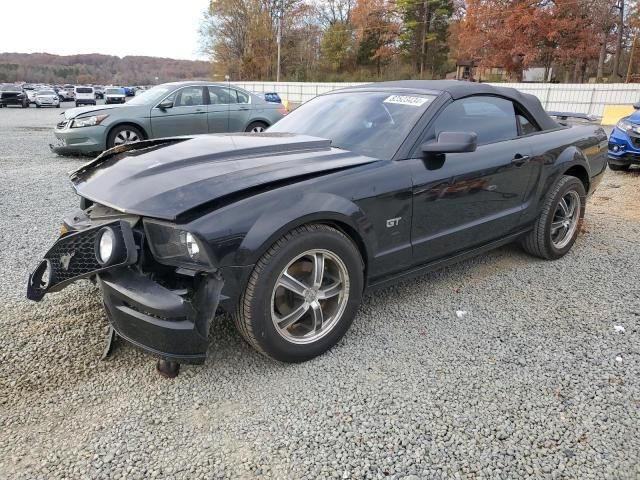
(571, 183)
(263, 328)
(256, 124)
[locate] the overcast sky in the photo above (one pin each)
(158, 28)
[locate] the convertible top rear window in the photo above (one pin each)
(369, 123)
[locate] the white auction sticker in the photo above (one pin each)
(406, 100)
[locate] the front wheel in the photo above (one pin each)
(123, 134)
(617, 167)
(302, 295)
(256, 127)
(556, 229)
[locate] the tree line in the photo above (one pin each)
(354, 40)
(97, 69)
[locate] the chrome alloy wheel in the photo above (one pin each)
(565, 219)
(310, 296)
(258, 129)
(125, 136)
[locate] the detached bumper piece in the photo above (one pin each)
(164, 322)
(73, 257)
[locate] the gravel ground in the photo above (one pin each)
(534, 381)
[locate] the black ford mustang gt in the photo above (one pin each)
(286, 229)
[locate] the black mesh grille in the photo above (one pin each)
(635, 141)
(74, 255)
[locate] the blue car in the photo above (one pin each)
(624, 142)
(129, 91)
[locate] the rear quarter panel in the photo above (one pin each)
(557, 151)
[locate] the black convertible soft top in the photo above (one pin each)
(458, 89)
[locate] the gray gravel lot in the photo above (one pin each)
(534, 381)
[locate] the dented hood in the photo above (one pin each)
(167, 177)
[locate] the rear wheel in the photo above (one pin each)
(617, 167)
(124, 134)
(556, 229)
(302, 295)
(256, 127)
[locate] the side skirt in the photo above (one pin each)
(437, 264)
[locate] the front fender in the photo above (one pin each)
(309, 208)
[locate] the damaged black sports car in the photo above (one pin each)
(286, 229)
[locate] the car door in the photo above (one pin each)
(186, 116)
(227, 112)
(464, 200)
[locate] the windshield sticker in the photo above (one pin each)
(406, 100)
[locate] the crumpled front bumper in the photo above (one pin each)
(173, 324)
(158, 320)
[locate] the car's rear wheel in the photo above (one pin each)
(556, 229)
(124, 134)
(302, 295)
(619, 167)
(256, 127)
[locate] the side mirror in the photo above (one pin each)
(165, 104)
(636, 105)
(452, 142)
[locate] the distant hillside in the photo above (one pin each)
(98, 69)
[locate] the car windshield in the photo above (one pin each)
(369, 123)
(114, 91)
(151, 96)
(84, 90)
(10, 88)
(46, 92)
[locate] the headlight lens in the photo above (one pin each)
(174, 246)
(88, 121)
(625, 125)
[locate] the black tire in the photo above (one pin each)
(25, 104)
(58, 106)
(253, 314)
(616, 167)
(120, 128)
(258, 126)
(37, 106)
(539, 242)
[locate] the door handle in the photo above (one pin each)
(519, 160)
(246, 108)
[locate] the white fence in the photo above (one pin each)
(579, 98)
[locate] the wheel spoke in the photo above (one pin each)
(291, 318)
(292, 284)
(330, 291)
(555, 226)
(563, 206)
(572, 208)
(318, 270)
(316, 316)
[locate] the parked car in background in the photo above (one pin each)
(114, 95)
(130, 91)
(67, 93)
(270, 97)
(286, 230)
(99, 90)
(31, 93)
(13, 95)
(47, 98)
(181, 108)
(624, 142)
(84, 96)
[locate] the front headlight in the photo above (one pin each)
(173, 246)
(88, 121)
(626, 126)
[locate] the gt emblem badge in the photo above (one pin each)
(65, 260)
(393, 222)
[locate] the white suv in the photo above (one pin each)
(85, 96)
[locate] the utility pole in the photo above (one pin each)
(633, 51)
(279, 38)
